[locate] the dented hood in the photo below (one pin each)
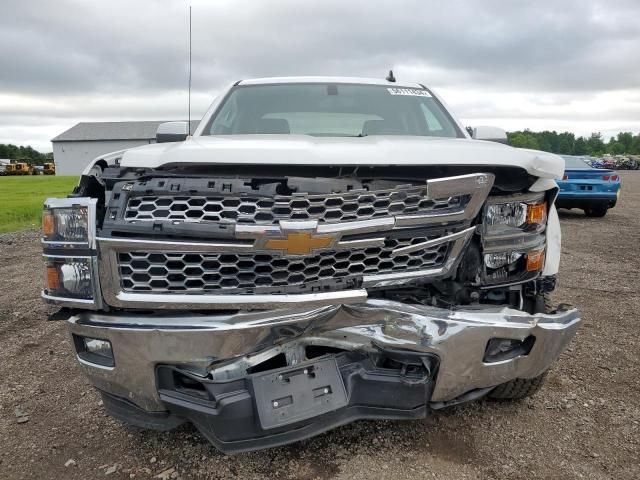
(371, 150)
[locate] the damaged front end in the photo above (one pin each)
(252, 380)
(268, 307)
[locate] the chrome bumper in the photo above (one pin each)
(458, 338)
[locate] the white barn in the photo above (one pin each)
(76, 147)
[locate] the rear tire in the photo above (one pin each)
(596, 211)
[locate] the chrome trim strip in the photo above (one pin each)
(249, 231)
(69, 302)
(433, 243)
(63, 244)
(170, 246)
(388, 278)
(442, 218)
(298, 224)
(93, 365)
(225, 302)
(359, 226)
(367, 242)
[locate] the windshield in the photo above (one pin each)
(575, 162)
(332, 110)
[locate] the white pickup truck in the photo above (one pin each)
(320, 250)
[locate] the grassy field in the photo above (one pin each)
(21, 199)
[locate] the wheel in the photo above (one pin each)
(519, 388)
(596, 211)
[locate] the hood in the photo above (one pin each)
(371, 150)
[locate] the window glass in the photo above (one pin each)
(324, 109)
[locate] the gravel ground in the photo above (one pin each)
(584, 423)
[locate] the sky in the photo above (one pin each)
(544, 65)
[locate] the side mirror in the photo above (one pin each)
(172, 132)
(491, 134)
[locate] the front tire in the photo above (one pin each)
(596, 212)
(518, 388)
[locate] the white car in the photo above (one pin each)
(320, 250)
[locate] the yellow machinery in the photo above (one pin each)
(24, 168)
(21, 168)
(49, 168)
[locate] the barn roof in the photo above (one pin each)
(87, 131)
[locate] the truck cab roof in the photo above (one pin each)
(312, 79)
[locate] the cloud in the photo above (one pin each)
(68, 61)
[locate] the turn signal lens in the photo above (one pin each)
(48, 223)
(53, 277)
(537, 213)
(535, 260)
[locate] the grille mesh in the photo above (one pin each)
(226, 273)
(360, 205)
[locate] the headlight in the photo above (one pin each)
(65, 224)
(69, 242)
(69, 277)
(513, 237)
(515, 214)
(505, 266)
(497, 260)
(69, 222)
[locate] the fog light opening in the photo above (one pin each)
(501, 349)
(94, 350)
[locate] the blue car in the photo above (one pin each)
(594, 190)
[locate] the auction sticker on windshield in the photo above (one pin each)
(417, 92)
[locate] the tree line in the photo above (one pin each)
(567, 143)
(27, 154)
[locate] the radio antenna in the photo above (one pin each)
(189, 107)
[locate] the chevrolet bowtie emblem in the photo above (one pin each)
(299, 243)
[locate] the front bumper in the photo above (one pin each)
(219, 348)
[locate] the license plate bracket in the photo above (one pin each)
(293, 394)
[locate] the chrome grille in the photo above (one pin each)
(381, 238)
(264, 273)
(357, 205)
